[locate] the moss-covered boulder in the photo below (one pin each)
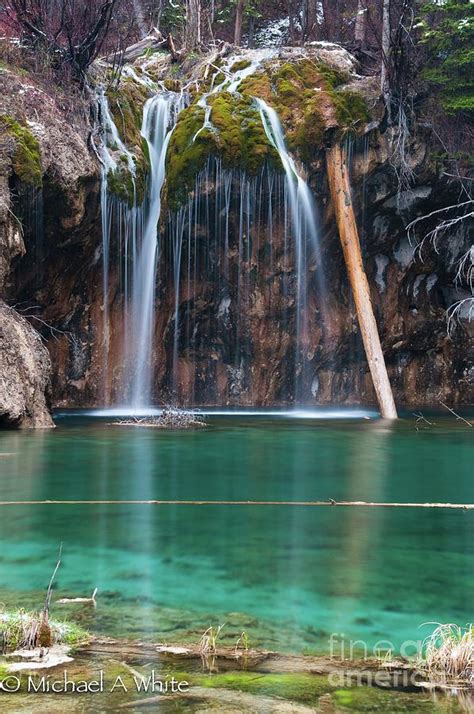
(26, 155)
(309, 96)
(126, 104)
(236, 135)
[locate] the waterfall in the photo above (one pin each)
(157, 132)
(111, 143)
(236, 271)
(303, 221)
(136, 241)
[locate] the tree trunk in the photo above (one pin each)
(386, 33)
(329, 34)
(251, 31)
(361, 23)
(193, 24)
(239, 15)
(347, 226)
(308, 15)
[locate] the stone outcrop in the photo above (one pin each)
(25, 374)
(48, 181)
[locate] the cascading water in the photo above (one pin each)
(234, 271)
(156, 131)
(303, 221)
(136, 230)
(112, 146)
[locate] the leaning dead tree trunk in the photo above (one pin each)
(347, 226)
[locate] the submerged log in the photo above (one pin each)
(347, 226)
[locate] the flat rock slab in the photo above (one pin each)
(38, 658)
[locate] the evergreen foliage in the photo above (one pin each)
(448, 34)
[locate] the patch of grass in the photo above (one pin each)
(20, 629)
(449, 652)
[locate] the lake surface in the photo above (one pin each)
(289, 576)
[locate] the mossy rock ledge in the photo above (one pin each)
(310, 98)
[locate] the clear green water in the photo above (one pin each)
(289, 576)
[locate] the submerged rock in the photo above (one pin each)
(25, 374)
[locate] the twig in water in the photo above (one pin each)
(458, 416)
(47, 601)
(420, 419)
(44, 634)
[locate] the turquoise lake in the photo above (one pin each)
(289, 576)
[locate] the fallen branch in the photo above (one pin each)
(363, 504)
(154, 41)
(420, 419)
(458, 416)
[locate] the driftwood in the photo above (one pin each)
(345, 504)
(154, 41)
(337, 168)
(67, 600)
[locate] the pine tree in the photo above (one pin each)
(448, 34)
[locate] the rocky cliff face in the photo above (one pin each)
(25, 374)
(227, 334)
(48, 182)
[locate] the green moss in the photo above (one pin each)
(126, 105)
(26, 158)
(257, 85)
(237, 137)
(307, 138)
(185, 157)
(172, 85)
(306, 96)
(304, 687)
(372, 699)
(351, 109)
(333, 77)
(240, 65)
